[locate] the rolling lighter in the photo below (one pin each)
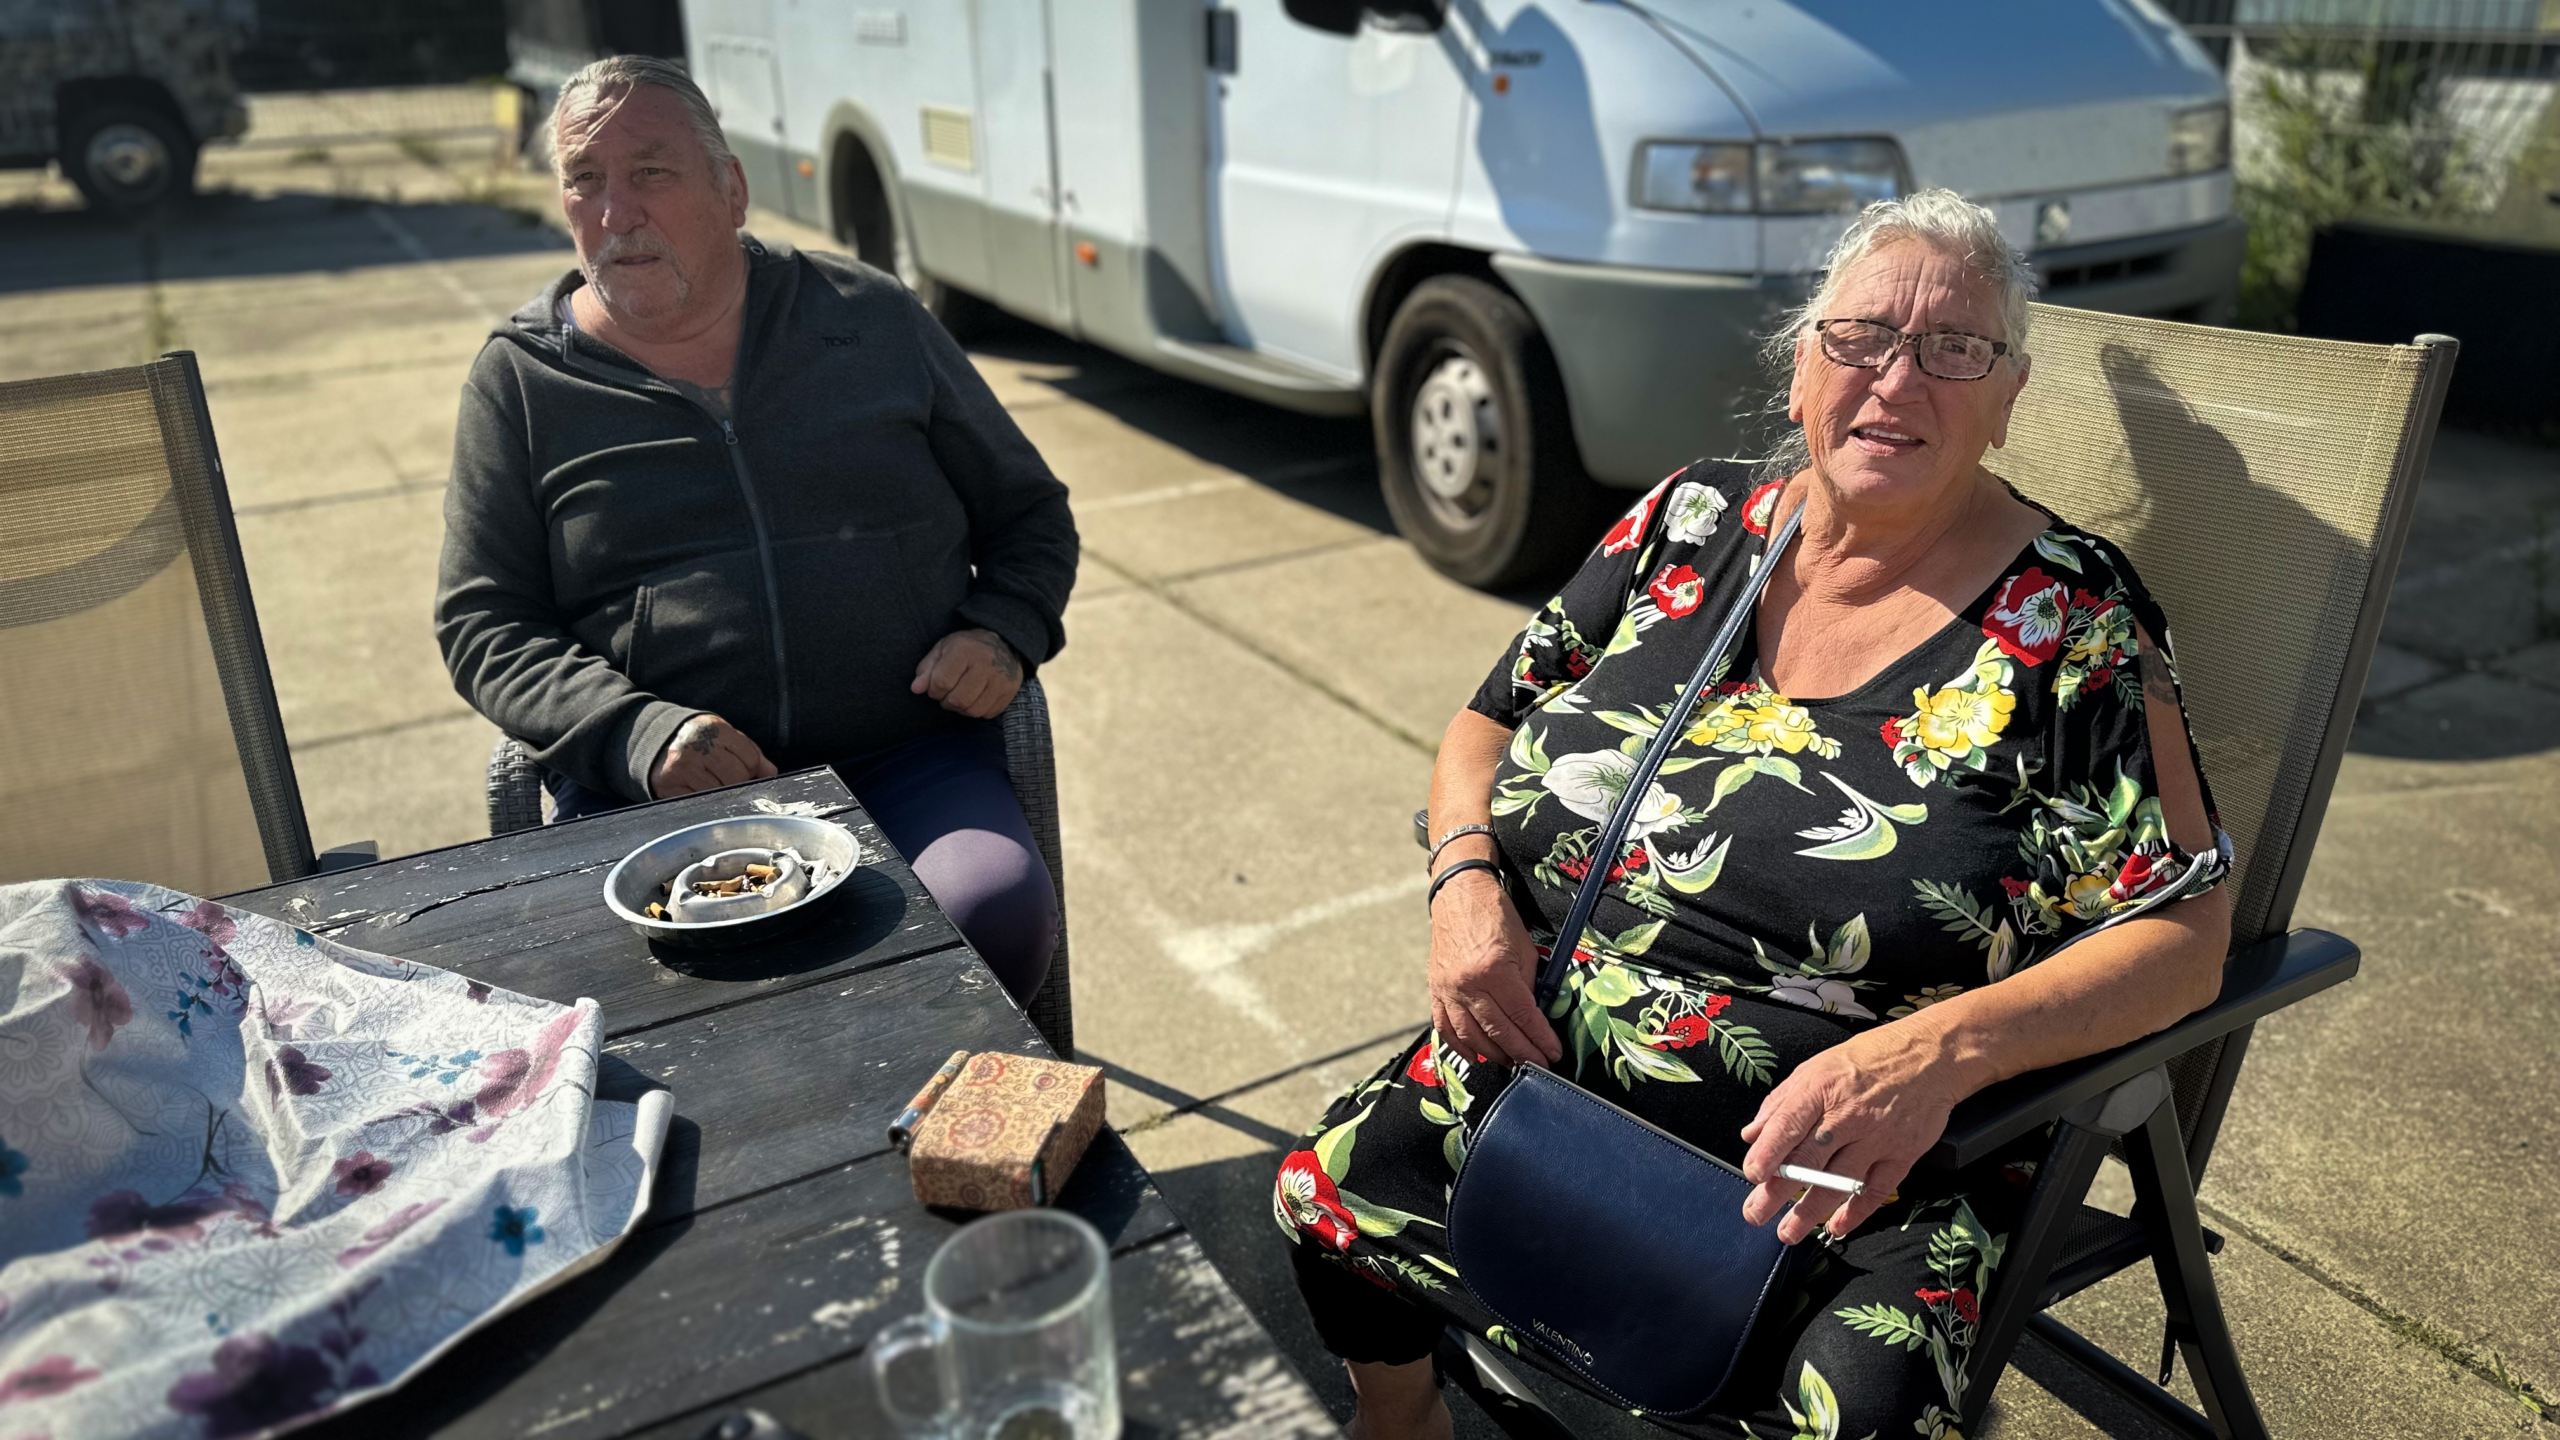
(903, 1129)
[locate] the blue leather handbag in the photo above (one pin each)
(1563, 1195)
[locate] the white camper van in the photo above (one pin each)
(1534, 239)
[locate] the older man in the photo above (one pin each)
(719, 507)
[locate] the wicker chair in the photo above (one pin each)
(2263, 485)
(515, 803)
(126, 627)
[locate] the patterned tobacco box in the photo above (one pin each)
(1007, 1133)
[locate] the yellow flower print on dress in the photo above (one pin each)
(1760, 722)
(1958, 723)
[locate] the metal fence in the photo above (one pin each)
(2439, 113)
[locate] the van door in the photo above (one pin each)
(1020, 156)
(1326, 150)
(747, 94)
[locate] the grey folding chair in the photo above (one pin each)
(2263, 486)
(515, 803)
(133, 684)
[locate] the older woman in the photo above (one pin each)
(1950, 743)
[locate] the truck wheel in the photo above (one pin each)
(1475, 447)
(127, 159)
(867, 224)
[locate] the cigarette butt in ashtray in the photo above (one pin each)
(903, 1129)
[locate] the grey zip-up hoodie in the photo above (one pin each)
(617, 559)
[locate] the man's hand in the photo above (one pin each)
(971, 671)
(706, 753)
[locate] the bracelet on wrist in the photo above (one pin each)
(1455, 870)
(1443, 843)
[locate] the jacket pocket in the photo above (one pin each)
(699, 639)
(853, 628)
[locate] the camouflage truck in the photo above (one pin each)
(123, 93)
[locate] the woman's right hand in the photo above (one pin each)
(1483, 968)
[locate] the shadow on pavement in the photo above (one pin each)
(1323, 461)
(222, 235)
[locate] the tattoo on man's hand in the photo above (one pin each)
(1006, 660)
(704, 740)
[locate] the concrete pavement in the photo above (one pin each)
(1257, 675)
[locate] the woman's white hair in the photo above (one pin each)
(587, 88)
(1939, 218)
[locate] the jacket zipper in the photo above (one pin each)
(772, 584)
(746, 492)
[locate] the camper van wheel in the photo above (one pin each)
(1475, 448)
(127, 158)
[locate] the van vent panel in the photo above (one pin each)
(950, 138)
(879, 27)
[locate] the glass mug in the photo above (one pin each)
(1017, 1327)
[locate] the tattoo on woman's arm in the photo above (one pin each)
(2159, 686)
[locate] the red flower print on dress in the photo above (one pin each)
(1892, 732)
(1574, 869)
(1624, 535)
(1757, 510)
(1682, 1033)
(1678, 590)
(2027, 616)
(1716, 1005)
(2016, 888)
(2095, 605)
(1307, 1199)
(1423, 1069)
(1967, 1308)
(2135, 878)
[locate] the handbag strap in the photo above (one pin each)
(1622, 816)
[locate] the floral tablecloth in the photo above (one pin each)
(249, 1176)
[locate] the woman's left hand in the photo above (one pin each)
(1867, 1108)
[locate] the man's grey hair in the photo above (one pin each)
(1942, 219)
(582, 91)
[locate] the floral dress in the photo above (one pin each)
(1800, 871)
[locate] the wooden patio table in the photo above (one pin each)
(782, 1234)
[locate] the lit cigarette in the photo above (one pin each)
(1822, 1179)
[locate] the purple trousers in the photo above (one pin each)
(947, 804)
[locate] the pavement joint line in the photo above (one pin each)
(1263, 652)
(288, 379)
(2416, 1329)
(1276, 479)
(1193, 1106)
(416, 249)
(340, 497)
(392, 727)
(1309, 552)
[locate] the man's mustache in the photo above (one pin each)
(638, 242)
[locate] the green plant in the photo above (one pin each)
(309, 155)
(2339, 129)
(420, 149)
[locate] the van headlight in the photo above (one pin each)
(2200, 139)
(1714, 179)
(1801, 177)
(1817, 177)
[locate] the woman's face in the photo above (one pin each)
(1895, 434)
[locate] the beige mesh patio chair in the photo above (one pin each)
(515, 803)
(133, 687)
(2263, 486)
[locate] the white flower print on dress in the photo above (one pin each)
(1691, 513)
(1590, 783)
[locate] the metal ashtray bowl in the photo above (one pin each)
(829, 851)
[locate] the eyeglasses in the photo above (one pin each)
(1946, 354)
